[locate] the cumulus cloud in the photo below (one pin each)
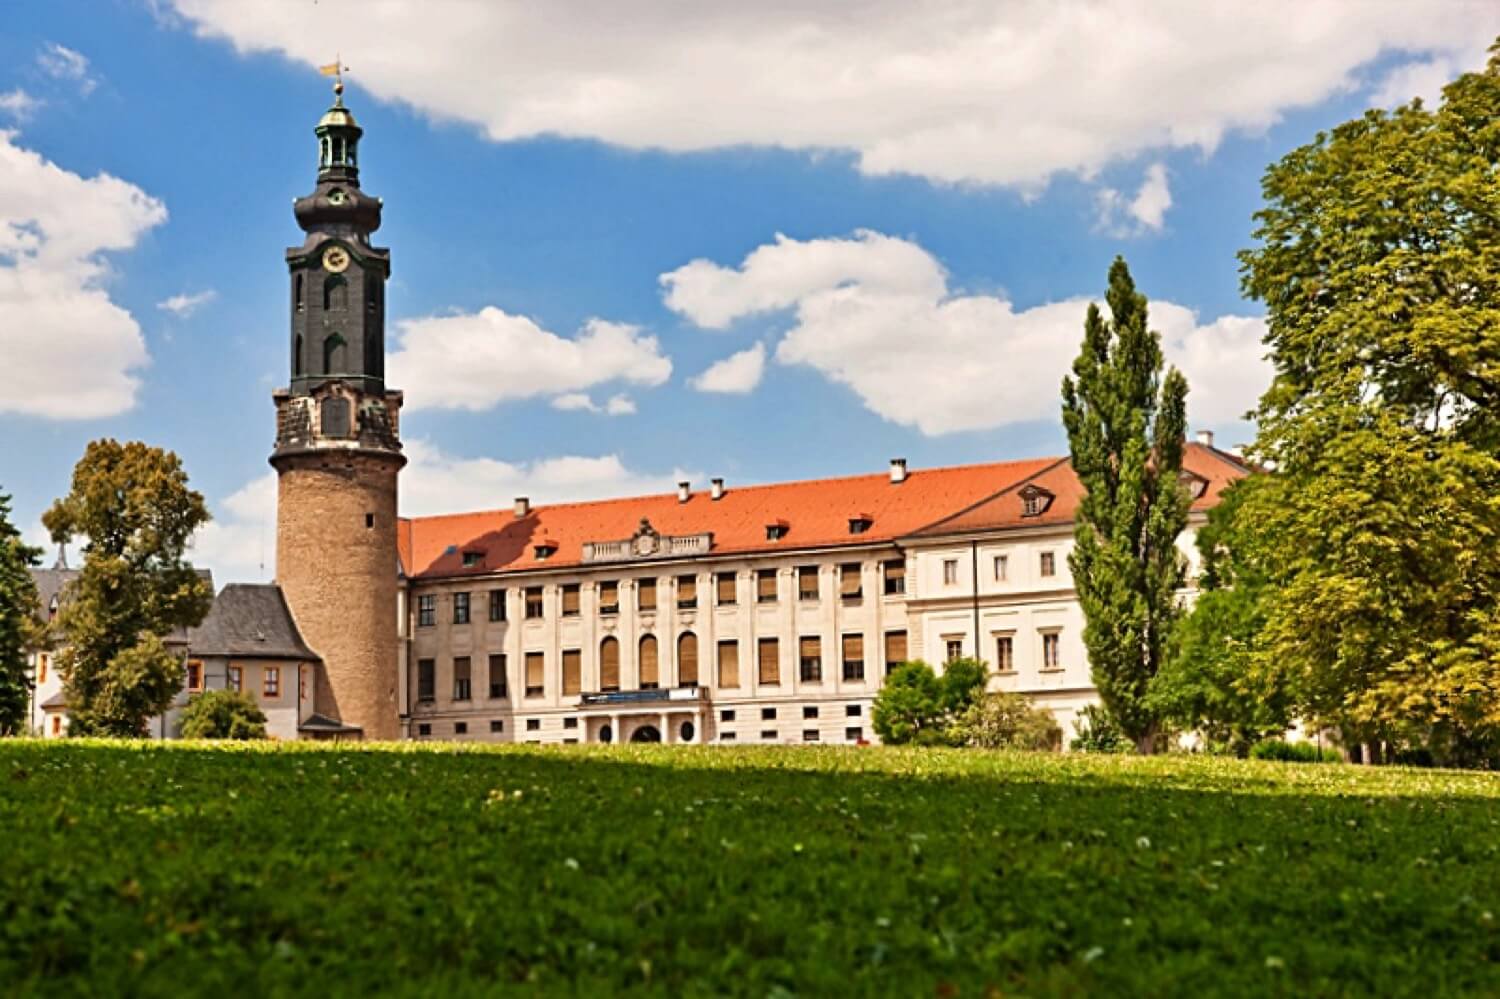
(1000, 93)
(184, 305)
(18, 104)
(620, 405)
(71, 353)
(62, 63)
(737, 374)
(1426, 77)
(239, 545)
(924, 357)
(475, 361)
(1146, 211)
(616, 405)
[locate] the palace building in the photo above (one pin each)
(731, 614)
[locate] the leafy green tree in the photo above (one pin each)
(1126, 423)
(223, 714)
(1006, 720)
(962, 683)
(133, 505)
(1378, 269)
(18, 631)
(909, 707)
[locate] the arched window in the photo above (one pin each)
(609, 664)
(650, 664)
(335, 355)
(335, 294)
(297, 293)
(687, 659)
(325, 152)
(338, 151)
(297, 357)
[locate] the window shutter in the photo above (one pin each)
(729, 664)
(534, 669)
(849, 582)
(765, 585)
(854, 648)
(769, 659)
(570, 599)
(609, 664)
(572, 671)
(809, 648)
(650, 668)
(726, 587)
(687, 659)
(807, 581)
(609, 595)
(895, 648)
(687, 588)
(646, 594)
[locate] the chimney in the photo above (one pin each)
(1206, 438)
(717, 492)
(523, 506)
(898, 471)
(684, 491)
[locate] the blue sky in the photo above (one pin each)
(944, 216)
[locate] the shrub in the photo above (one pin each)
(908, 708)
(223, 714)
(1293, 752)
(1007, 721)
(1098, 733)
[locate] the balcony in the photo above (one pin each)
(675, 695)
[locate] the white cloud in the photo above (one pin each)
(737, 374)
(62, 63)
(1006, 93)
(70, 352)
(616, 405)
(18, 104)
(620, 405)
(1425, 78)
(475, 361)
(184, 305)
(1146, 211)
(242, 537)
(942, 362)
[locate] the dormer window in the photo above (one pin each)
(545, 550)
(776, 530)
(1035, 501)
(52, 608)
(860, 523)
(1196, 485)
(472, 559)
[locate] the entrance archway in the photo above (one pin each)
(646, 733)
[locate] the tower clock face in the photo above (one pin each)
(336, 259)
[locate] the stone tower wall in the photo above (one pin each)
(339, 577)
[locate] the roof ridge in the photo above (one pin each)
(756, 486)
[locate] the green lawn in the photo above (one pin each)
(776, 871)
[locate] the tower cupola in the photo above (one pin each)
(338, 141)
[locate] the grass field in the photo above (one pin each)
(766, 872)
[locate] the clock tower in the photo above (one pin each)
(338, 447)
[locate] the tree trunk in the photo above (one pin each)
(1146, 744)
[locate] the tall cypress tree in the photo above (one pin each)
(1125, 424)
(18, 605)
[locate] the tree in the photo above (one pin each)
(916, 705)
(1005, 720)
(962, 684)
(133, 505)
(1382, 287)
(223, 714)
(18, 631)
(1125, 424)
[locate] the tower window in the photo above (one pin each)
(369, 521)
(335, 355)
(297, 293)
(335, 294)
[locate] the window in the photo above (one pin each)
(854, 734)
(570, 599)
(687, 659)
(810, 659)
(853, 711)
(950, 572)
(645, 595)
(726, 736)
(496, 725)
(533, 602)
(460, 608)
(271, 682)
(237, 678)
(687, 592)
(729, 664)
(727, 715)
(649, 663)
(809, 711)
(335, 355)
(809, 735)
(426, 610)
(194, 671)
(1005, 654)
(895, 577)
(335, 294)
(497, 677)
(765, 586)
(768, 734)
(767, 714)
(460, 728)
(1051, 650)
(807, 582)
(471, 559)
(497, 605)
(776, 530)
(424, 729)
(570, 723)
(369, 521)
(1002, 568)
(572, 679)
(854, 658)
(768, 660)
(860, 524)
(461, 685)
(1049, 564)
(535, 674)
(297, 294)
(41, 667)
(953, 648)
(724, 582)
(1034, 501)
(533, 724)
(895, 650)
(426, 680)
(609, 598)
(302, 683)
(609, 664)
(850, 586)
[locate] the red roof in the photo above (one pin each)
(1213, 468)
(817, 514)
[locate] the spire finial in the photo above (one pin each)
(62, 555)
(336, 69)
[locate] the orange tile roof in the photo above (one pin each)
(816, 514)
(1216, 468)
